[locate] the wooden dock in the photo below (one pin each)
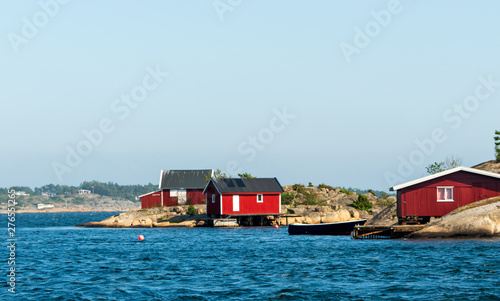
(384, 232)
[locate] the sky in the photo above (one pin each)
(359, 94)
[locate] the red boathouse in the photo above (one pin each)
(232, 197)
(178, 187)
(439, 194)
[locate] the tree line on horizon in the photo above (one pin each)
(110, 189)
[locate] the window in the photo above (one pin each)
(213, 198)
(445, 194)
(236, 203)
(260, 198)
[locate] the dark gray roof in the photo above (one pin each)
(244, 185)
(184, 179)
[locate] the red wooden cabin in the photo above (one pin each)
(439, 194)
(178, 187)
(242, 196)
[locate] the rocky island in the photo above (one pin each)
(479, 219)
(309, 205)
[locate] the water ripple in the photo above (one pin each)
(58, 262)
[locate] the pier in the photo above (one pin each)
(384, 232)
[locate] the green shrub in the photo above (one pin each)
(371, 191)
(311, 199)
(300, 188)
(287, 198)
(192, 211)
(345, 191)
(57, 199)
(322, 185)
(78, 200)
(362, 203)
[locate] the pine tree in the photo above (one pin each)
(497, 145)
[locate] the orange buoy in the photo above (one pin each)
(276, 226)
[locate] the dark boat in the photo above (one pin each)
(342, 228)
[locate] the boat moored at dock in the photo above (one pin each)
(341, 228)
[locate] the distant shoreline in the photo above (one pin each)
(60, 210)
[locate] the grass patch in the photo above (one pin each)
(345, 191)
(385, 202)
(476, 204)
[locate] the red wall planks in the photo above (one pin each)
(248, 204)
(421, 199)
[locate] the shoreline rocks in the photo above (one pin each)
(171, 217)
(479, 219)
(160, 217)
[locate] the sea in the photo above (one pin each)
(54, 260)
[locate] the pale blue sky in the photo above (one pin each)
(356, 117)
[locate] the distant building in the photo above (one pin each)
(48, 194)
(44, 206)
(84, 191)
(242, 196)
(178, 187)
(439, 194)
(21, 193)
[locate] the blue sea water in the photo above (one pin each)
(57, 261)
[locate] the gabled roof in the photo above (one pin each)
(244, 185)
(152, 192)
(185, 179)
(444, 173)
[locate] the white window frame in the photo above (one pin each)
(447, 198)
(213, 198)
(173, 193)
(261, 198)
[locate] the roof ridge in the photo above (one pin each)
(444, 173)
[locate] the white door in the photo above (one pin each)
(236, 203)
(181, 196)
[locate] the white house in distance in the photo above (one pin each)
(84, 191)
(42, 206)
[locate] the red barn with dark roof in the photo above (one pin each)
(242, 196)
(439, 194)
(178, 187)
